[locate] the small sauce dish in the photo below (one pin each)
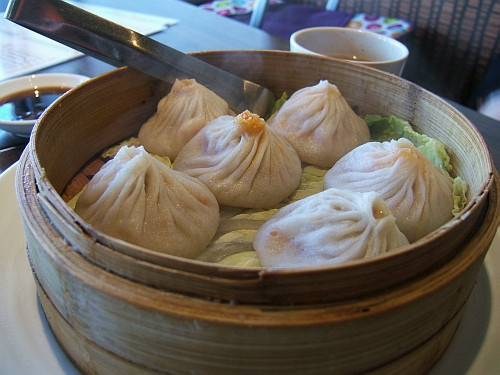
(23, 99)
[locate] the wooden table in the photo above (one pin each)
(199, 30)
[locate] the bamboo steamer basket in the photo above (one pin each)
(135, 96)
(119, 308)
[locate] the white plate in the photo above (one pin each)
(28, 347)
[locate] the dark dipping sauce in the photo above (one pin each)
(28, 104)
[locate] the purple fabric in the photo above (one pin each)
(284, 19)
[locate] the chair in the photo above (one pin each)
(451, 46)
(260, 7)
(276, 17)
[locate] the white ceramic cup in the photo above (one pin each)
(358, 46)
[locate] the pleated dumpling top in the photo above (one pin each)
(320, 124)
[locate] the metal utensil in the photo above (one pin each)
(119, 46)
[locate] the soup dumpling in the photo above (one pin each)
(331, 227)
(137, 198)
(242, 161)
(179, 116)
(320, 125)
(419, 195)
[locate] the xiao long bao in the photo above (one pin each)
(179, 116)
(419, 195)
(320, 124)
(243, 161)
(331, 227)
(137, 198)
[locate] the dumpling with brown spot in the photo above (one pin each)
(320, 124)
(242, 161)
(179, 116)
(331, 227)
(138, 199)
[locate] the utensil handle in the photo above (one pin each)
(118, 46)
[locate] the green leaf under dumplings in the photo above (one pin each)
(279, 103)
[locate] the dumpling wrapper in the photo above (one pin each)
(242, 161)
(331, 227)
(179, 116)
(418, 194)
(136, 198)
(320, 124)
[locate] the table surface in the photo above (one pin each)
(199, 30)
